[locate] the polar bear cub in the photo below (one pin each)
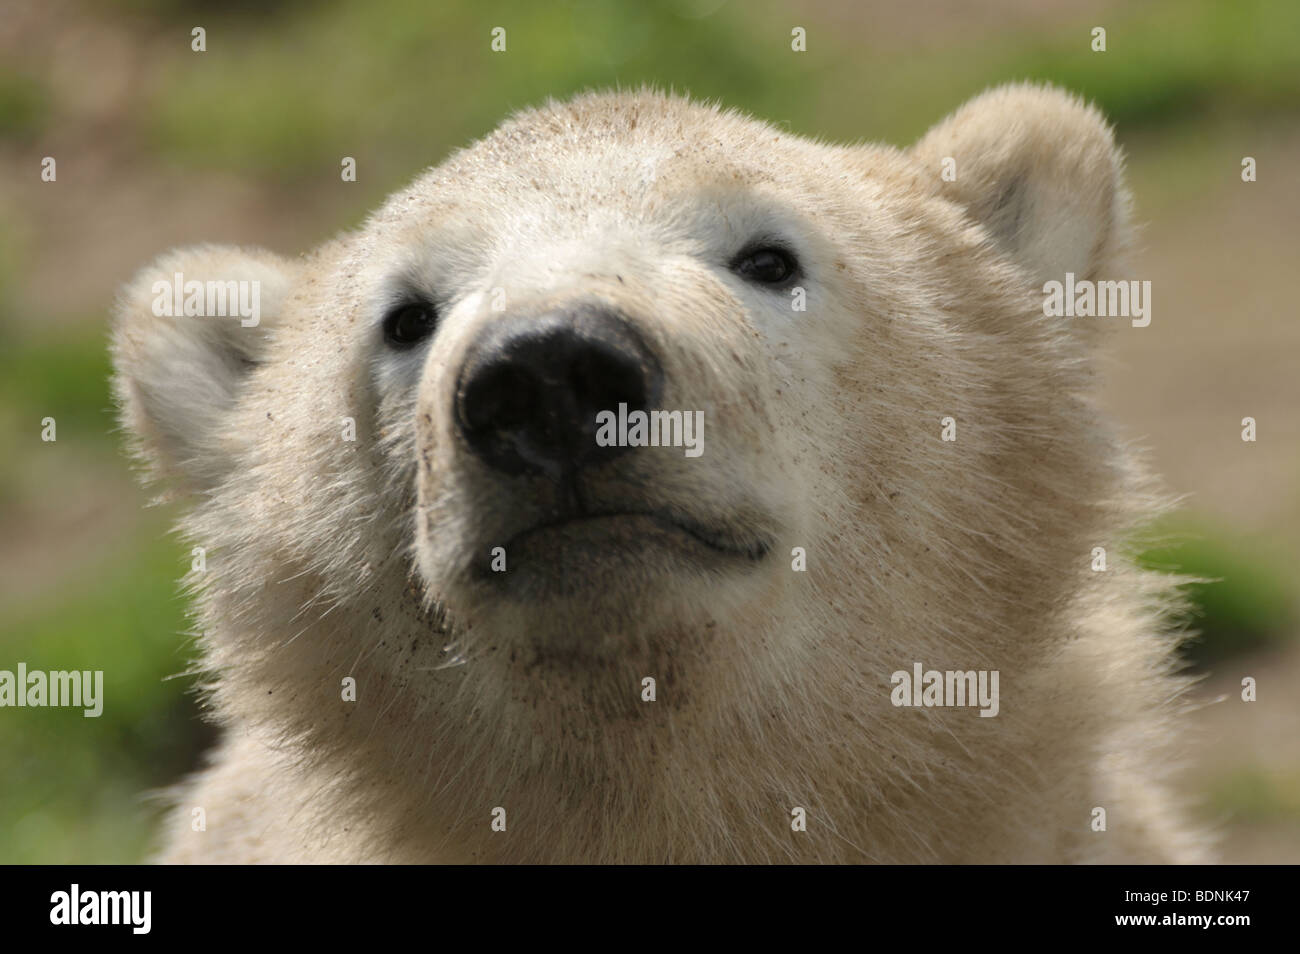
(647, 483)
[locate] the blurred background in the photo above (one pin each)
(157, 145)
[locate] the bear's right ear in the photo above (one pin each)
(178, 367)
(1039, 169)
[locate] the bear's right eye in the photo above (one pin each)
(766, 264)
(409, 324)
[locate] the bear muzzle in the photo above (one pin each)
(531, 387)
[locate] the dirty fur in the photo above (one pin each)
(328, 558)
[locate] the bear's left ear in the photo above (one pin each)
(1040, 170)
(187, 331)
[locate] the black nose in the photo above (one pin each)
(531, 387)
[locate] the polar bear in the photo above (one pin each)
(447, 614)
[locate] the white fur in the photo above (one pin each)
(330, 559)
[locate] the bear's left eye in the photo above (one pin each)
(409, 324)
(769, 265)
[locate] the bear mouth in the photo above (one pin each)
(639, 528)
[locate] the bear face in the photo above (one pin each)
(399, 478)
